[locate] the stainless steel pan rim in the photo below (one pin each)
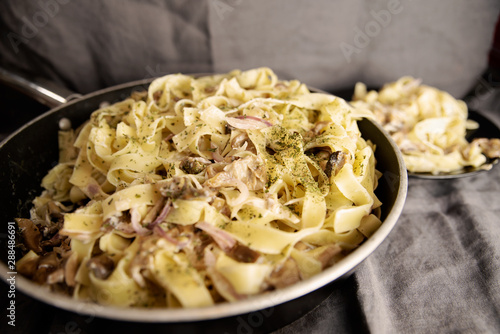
(271, 299)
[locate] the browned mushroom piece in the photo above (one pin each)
(30, 234)
(221, 206)
(49, 261)
(54, 210)
(242, 253)
(45, 267)
(40, 275)
(192, 165)
(101, 265)
(285, 275)
(157, 95)
(321, 156)
(54, 241)
(335, 163)
(56, 276)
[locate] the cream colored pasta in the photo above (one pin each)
(210, 189)
(428, 125)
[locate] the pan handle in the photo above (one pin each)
(42, 90)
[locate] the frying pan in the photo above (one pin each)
(28, 153)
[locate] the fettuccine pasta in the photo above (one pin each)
(428, 125)
(204, 190)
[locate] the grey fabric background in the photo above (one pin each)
(443, 42)
(329, 44)
(438, 272)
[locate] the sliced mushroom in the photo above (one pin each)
(30, 233)
(56, 276)
(40, 275)
(221, 206)
(101, 265)
(54, 210)
(49, 261)
(286, 275)
(242, 253)
(54, 241)
(192, 165)
(335, 163)
(157, 95)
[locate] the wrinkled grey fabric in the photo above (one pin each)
(438, 272)
(332, 44)
(91, 45)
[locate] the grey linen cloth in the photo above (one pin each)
(438, 271)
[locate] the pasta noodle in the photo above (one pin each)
(428, 125)
(203, 190)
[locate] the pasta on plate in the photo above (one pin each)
(428, 125)
(203, 190)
